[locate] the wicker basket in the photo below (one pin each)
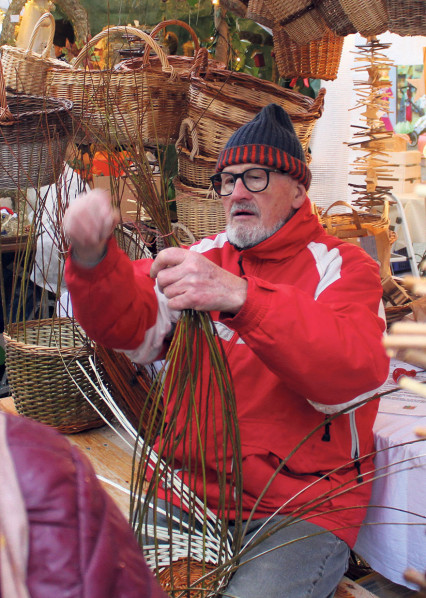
(408, 17)
(42, 370)
(184, 577)
(335, 17)
(33, 139)
(25, 71)
(369, 17)
(300, 18)
(194, 170)
(200, 210)
(260, 12)
(222, 101)
(122, 105)
(319, 59)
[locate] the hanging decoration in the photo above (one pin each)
(373, 137)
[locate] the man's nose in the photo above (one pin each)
(240, 191)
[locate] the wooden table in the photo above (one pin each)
(110, 456)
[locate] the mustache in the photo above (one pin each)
(244, 206)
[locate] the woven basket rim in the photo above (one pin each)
(32, 325)
(57, 105)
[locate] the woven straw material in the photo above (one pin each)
(317, 60)
(122, 105)
(369, 17)
(193, 169)
(41, 366)
(350, 224)
(300, 18)
(184, 574)
(222, 101)
(407, 17)
(260, 12)
(33, 139)
(25, 71)
(335, 17)
(200, 210)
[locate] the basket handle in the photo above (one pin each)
(6, 117)
(165, 24)
(47, 16)
(188, 125)
(166, 67)
(340, 202)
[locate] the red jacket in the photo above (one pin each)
(306, 343)
(79, 544)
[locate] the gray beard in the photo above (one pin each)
(244, 237)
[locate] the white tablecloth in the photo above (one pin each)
(393, 540)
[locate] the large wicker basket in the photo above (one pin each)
(200, 210)
(24, 70)
(407, 17)
(335, 17)
(43, 374)
(369, 17)
(34, 134)
(319, 59)
(122, 105)
(259, 11)
(222, 101)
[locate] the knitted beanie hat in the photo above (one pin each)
(269, 139)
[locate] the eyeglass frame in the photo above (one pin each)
(240, 175)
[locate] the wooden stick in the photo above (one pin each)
(413, 385)
(400, 340)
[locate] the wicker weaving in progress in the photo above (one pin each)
(43, 374)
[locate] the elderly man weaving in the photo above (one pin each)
(299, 315)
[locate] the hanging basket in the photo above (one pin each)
(369, 17)
(24, 70)
(301, 19)
(124, 105)
(200, 210)
(34, 133)
(221, 101)
(407, 17)
(194, 170)
(317, 60)
(42, 370)
(335, 17)
(260, 12)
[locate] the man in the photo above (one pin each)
(298, 314)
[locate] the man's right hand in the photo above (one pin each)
(88, 224)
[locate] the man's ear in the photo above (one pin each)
(299, 196)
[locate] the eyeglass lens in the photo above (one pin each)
(254, 179)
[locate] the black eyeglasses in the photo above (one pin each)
(254, 179)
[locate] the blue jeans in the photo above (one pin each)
(309, 563)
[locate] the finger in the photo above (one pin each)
(167, 258)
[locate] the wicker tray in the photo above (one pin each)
(200, 210)
(222, 101)
(41, 366)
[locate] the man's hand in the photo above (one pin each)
(191, 281)
(88, 223)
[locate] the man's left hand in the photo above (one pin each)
(191, 281)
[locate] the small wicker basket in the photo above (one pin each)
(301, 19)
(407, 17)
(335, 17)
(34, 134)
(369, 17)
(200, 210)
(43, 374)
(260, 12)
(319, 59)
(194, 170)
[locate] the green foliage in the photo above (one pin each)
(403, 127)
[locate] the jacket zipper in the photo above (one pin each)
(355, 446)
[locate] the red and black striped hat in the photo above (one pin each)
(270, 140)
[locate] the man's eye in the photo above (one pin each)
(227, 180)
